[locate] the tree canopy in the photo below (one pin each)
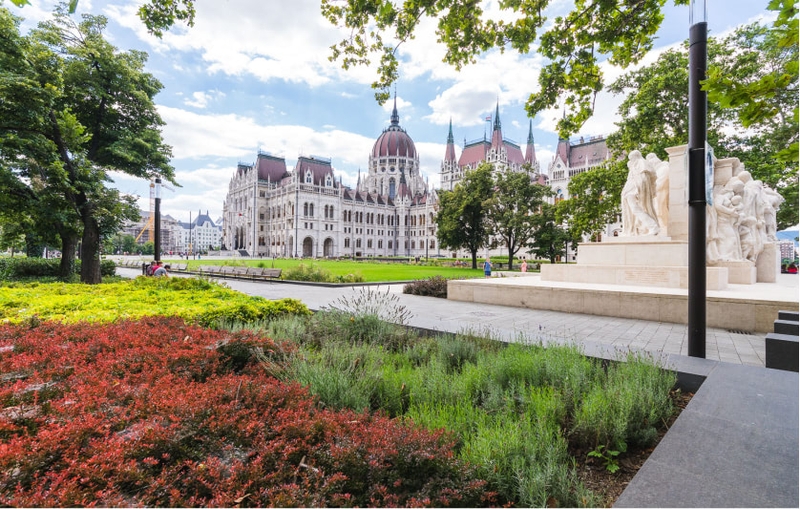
(73, 108)
(462, 216)
(512, 209)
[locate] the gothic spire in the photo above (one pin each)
(395, 116)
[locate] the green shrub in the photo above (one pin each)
(435, 286)
(454, 352)
(20, 268)
(626, 407)
(316, 274)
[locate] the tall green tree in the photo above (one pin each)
(550, 238)
(761, 97)
(594, 200)
(462, 217)
(512, 208)
(73, 108)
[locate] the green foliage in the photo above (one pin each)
(462, 219)
(758, 97)
(75, 108)
(609, 457)
(594, 199)
(314, 273)
(627, 407)
(435, 286)
(194, 300)
(549, 238)
(622, 30)
(512, 408)
(513, 209)
(16, 269)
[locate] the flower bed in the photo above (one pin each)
(159, 413)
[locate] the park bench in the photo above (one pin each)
(271, 273)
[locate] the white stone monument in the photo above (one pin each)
(653, 249)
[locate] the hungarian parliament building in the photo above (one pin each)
(307, 212)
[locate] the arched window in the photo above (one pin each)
(391, 188)
(328, 181)
(308, 176)
(305, 210)
(311, 209)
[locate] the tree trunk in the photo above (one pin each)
(67, 267)
(474, 258)
(90, 251)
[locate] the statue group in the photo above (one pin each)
(740, 222)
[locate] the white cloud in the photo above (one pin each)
(275, 39)
(201, 99)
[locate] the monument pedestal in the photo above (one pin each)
(634, 261)
(739, 273)
(768, 264)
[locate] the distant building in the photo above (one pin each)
(307, 212)
(501, 152)
(200, 235)
(787, 249)
(143, 231)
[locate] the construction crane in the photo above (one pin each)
(149, 226)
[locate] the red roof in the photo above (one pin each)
(271, 168)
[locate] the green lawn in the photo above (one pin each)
(371, 271)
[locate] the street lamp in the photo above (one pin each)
(157, 221)
(698, 58)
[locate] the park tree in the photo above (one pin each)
(462, 217)
(594, 200)
(73, 108)
(550, 238)
(512, 208)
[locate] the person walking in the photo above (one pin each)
(524, 267)
(487, 267)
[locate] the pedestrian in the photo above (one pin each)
(160, 270)
(150, 269)
(487, 267)
(524, 267)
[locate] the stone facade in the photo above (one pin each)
(307, 212)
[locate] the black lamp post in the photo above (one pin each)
(698, 37)
(157, 221)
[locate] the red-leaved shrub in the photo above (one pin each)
(158, 413)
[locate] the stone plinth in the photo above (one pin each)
(664, 276)
(638, 261)
(768, 264)
(739, 273)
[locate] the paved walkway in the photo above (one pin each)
(736, 443)
(508, 323)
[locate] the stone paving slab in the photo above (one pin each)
(735, 445)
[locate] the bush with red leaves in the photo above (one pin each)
(158, 413)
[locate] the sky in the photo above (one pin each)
(255, 75)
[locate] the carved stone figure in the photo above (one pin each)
(772, 202)
(661, 201)
(751, 227)
(727, 245)
(638, 214)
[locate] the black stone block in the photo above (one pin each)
(789, 315)
(782, 351)
(786, 327)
